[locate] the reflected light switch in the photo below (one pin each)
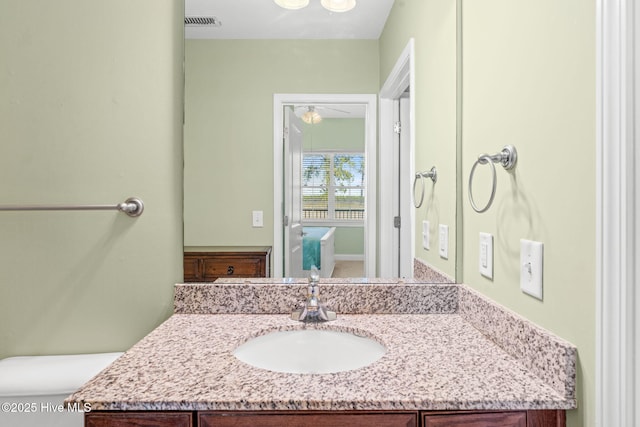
(444, 241)
(257, 220)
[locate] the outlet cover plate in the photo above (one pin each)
(486, 255)
(531, 259)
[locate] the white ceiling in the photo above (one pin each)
(263, 19)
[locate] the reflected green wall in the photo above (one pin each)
(432, 23)
(335, 134)
(229, 124)
(90, 113)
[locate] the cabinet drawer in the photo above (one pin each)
(209, 266)
(233, 266)
(138, 419)
(504, 419)
(317, 420)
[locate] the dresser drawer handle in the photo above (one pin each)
(230, 270)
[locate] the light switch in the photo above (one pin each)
(257, 219)
(444, 241)
(486, 255)
(425, 235)
(531, 255)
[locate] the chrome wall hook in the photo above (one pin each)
(433, 174)
(508, 158)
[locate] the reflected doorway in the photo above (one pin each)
(397, 146)
(325, 211)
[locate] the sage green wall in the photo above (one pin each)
(229, 124)
(90, 112)
(432, 23)
(529, 80)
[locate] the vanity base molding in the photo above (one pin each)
(537, 418)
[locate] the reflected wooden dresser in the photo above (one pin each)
(207, 263)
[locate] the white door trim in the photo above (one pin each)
(371, 124)
(618, 193)
(401, 77)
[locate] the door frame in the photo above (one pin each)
(617, 206)
(371, 124)
(400, 78)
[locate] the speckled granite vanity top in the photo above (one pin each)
(461, 352)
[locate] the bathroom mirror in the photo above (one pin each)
(230, 82)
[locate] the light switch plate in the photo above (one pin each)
(425, 235)
(257, 219)
(531, 257)
(444, 241)
(486, 255)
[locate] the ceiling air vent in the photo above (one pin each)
(202, 21)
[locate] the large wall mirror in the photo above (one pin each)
(254, 50)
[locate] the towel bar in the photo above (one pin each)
(132, 207)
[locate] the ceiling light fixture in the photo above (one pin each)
(311, 116)
(292, 4)
(338, 5)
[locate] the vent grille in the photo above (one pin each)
(199, 21)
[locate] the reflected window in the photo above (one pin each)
(333, 186)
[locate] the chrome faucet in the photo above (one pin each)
(313, 310)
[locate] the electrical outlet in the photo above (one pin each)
(425, 235)
(531, 256)
(257, 219)
(444, 241)
(486, 255)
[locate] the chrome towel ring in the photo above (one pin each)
(433, 174)
(507, 157)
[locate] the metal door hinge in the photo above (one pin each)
(285, 221)
(396, 221)
(397, 127)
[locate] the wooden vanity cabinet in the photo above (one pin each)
(207, 266)
(541, 418)
(138, 419)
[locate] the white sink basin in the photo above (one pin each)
(310, 351)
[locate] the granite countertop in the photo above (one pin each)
(433, 362)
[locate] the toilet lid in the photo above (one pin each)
(48, 375)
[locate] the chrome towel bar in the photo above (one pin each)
(132, 207)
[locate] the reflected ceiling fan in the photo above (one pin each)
(311, 113)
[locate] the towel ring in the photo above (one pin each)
(433, 174)
(507, 157)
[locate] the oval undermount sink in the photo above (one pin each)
(310, 351)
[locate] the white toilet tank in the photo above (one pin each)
(33, 388)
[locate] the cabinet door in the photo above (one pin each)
(498, 419)
(407, 419)
(138, 419)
